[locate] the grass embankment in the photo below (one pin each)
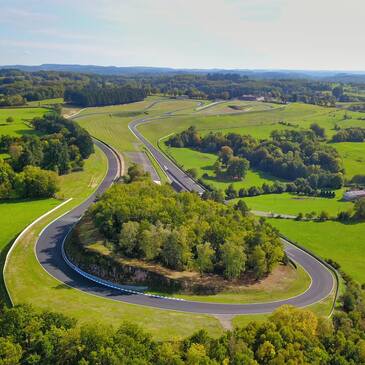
(22, 117)
(292, 204)
(46, 102)
(343, 243)
(28, 282)
(283, 283)
(15, 215)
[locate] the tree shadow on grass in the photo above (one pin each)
(62, 286)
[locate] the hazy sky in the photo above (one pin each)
(294, 34)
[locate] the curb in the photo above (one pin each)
(21, 234)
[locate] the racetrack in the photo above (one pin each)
(49, 252)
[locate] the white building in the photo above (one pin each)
(354, 194)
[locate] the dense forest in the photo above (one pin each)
(297, 156)
(182, 232)
(35, 161)
(17, 87)
(289, 336)
(94, 96)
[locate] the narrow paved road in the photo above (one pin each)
(49, 254)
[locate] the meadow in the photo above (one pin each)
(343, 243)
(22, 117)
(45, 102)
(291, 204)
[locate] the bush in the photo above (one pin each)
(36, 183)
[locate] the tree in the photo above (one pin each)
(152, 240)
(193, 172)
(217, 168)
(36, 183)
(233, 259)
(9, 120)
(337, 92)
(225, 154)
(10, 352)
(258, 262)
(323, 216)
(237, 167)
(135, 173)
(242, 207)
(128, 238)
(6, 180)
(318, 130)
(176, 253)
(205, 254)
(360, 209)
(231, 192)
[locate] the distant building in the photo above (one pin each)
(249, 97)
(353, 195)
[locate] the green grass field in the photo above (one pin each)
(15, 216)
(343, 243)
(353, 155)
(293, 204)
(237, 106)
(21, 116)
(46, 102)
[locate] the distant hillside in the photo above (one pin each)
(341, 76)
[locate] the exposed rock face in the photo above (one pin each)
(111, 269)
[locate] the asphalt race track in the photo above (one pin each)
(49, 253)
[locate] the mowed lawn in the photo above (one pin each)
(293, 204)
(257, 123)
(353, 155)
(22, 117)
(343, 243)
(15, 215)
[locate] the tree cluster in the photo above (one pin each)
(32, 182)
(100, 96)
(300, 187)
(288, 336)
(289, 154)
(62, 146)
(183, 232)
(35, 161)
(350, 135)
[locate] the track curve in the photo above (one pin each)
(49, 253)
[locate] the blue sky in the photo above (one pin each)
(285, 34)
